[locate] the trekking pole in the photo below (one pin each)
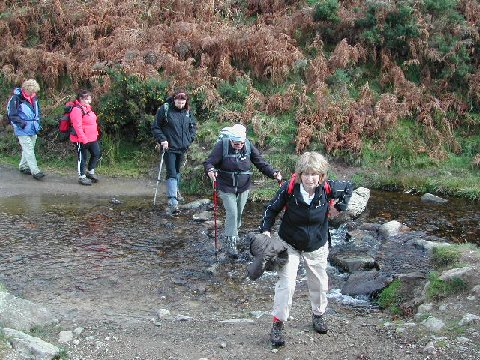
(158, 177)
(215, 207)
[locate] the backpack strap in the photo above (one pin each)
(166, 107)
(226, 147)
(291, 184)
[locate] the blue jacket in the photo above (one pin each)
(24, 116)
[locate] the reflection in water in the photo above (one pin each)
(89, 254)
(456, 221)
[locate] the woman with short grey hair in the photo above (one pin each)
(23, 111)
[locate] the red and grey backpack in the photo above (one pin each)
(64, 123)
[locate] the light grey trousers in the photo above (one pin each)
(28, 160)
(234, 205)
(317, 281)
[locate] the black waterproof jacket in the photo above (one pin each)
(178, 127)
(234, 172)
(303, 226)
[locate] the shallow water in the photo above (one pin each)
(102, 258)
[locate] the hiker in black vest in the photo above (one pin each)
(174, 130)
(230, 165)
(304, 231)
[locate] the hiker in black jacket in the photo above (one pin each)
(304, 231)
(229, 167)
(174, 129)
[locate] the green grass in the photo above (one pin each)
(438, 289)
(390, 298)
(445, 256)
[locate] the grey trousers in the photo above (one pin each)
(233, 204)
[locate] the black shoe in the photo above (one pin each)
(92, 177)
(38, 176)
(277, 335)
(84, 181)
(319, 324)
(26, 171)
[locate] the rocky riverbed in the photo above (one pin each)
(99, 273)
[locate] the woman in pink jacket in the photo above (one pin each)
(85, 136)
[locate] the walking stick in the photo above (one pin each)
(158, 178)
(215, 206)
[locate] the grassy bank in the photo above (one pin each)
(453, 177)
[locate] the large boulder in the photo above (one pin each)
(21, 314)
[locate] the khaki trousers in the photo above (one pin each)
(317, 280)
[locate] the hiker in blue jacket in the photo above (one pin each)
(23, 111)
(304, 231)
(230, 167)
(174, 129)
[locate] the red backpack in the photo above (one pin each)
(64, 123)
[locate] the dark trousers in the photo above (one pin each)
(82, 153)
(173, 162)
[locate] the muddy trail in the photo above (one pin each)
(142, 285)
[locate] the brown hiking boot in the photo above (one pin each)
(319, 324)
(277, 334)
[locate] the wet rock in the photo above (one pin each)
(427, 197)
(429, 245)
(392, 228)
(29, 346)
(202, 216)
(366, 283)
(195, 204)
(353, 262)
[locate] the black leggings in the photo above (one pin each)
(173, 162)
(94, 149)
